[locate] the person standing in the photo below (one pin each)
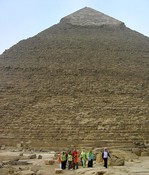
(63, 160)
(75, 159)
(90, 158)
(105, 155)
(69, 161)
(83, 157)
(59, 160)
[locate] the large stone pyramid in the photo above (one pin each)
(82, 82)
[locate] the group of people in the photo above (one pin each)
(72, 159)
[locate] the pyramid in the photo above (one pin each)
(82, 82)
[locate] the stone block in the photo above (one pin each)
(98, 158)
(136, 151)
(28, 172)
(4, 171)
(49, 162)
(33, 156)
(3, 147)
(21, 154)
(58, 171)
(117, 162)
(19, 145)
(100, 172)
(1, 165)
(35, 168)
(144, 153)
(39, 156)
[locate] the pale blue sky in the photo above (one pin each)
(21, 19)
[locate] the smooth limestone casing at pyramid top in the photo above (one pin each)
(82, 82)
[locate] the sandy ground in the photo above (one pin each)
(138, 166)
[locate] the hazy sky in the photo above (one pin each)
(21, 19)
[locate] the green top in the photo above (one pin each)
(63, 157)
(69, 157)
(83, 155)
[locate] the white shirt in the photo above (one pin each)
(105, 154)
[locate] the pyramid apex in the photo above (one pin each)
(90, 17)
